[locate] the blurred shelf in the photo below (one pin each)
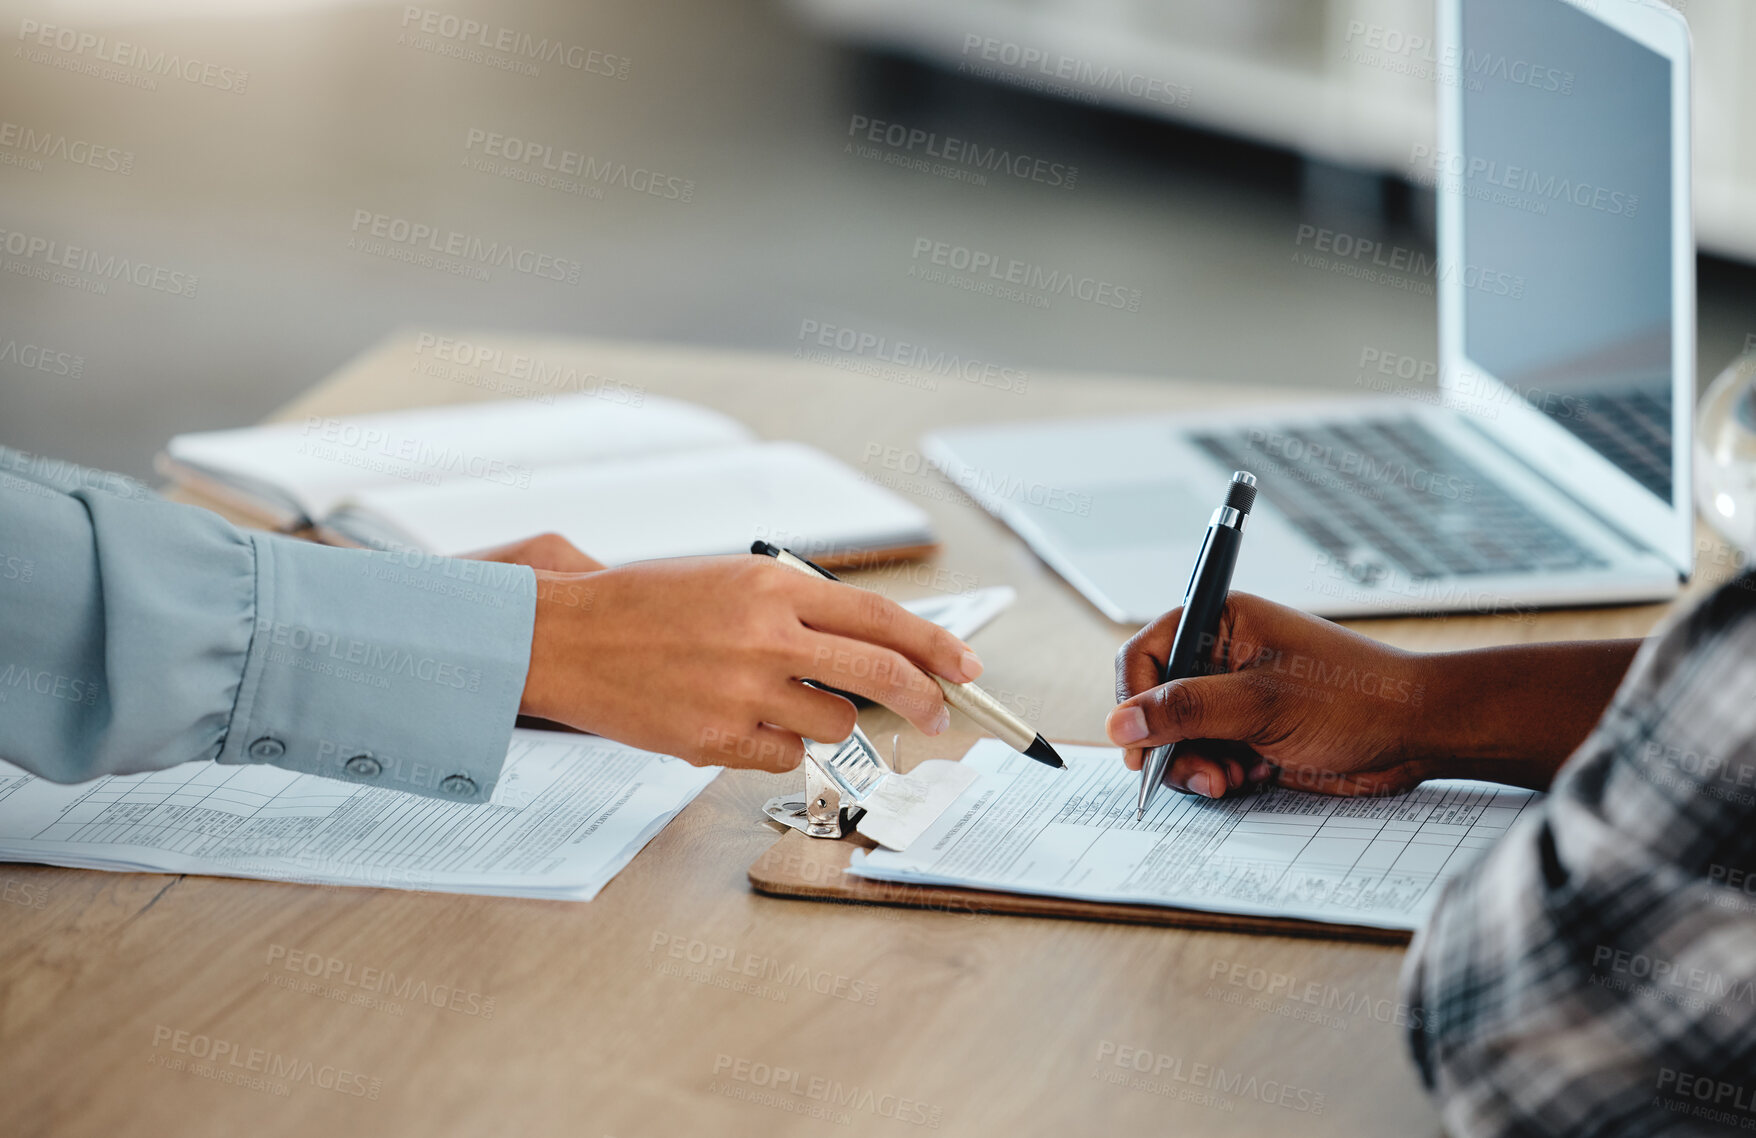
(1346, 82)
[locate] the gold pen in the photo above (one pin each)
(983, 709)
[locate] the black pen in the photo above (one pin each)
(1204, 601)
(988, 713)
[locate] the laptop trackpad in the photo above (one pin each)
(1126, 515)
(1136, 542)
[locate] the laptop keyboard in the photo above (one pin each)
(1388, 495)
(1633, 430)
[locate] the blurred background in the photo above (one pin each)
(192, 187)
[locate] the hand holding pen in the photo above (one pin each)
(1204, 602)
(699, 657)
(983, 709)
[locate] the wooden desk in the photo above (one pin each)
(577, 1019)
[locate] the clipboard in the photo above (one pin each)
(810, 862)
(815, 869)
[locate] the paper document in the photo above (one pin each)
(568, 813)
(1026, 828)
(961, 614)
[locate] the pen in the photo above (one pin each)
(988, 713)
(1204, 600)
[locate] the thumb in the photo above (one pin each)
(1232, 707)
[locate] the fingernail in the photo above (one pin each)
(1202, 784)
(972, 665)
(940, 722)
(1127, 725)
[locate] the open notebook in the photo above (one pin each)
(624, 482)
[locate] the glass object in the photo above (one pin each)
(1725, 454)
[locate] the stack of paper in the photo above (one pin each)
(1026, 828)
(568, 813)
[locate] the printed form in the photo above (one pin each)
(568, 813)
(1023, 827)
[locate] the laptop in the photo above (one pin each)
(1553, 466)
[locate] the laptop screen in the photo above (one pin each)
(1565, 181)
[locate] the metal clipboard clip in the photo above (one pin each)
(850, 784)
(839, 778)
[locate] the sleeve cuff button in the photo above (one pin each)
(267, 749)
(459, 786)
(364, 766)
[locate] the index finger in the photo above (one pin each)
(843, 610)
(1140, 665)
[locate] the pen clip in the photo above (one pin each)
(769, 549)
(816, 566)
(1195, 569)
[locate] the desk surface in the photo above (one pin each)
(778, 1017)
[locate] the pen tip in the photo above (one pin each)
(1139, 815)
(1043, 753)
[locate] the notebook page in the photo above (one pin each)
(674, 505)
(568, 813)
(317, 462)
(1026, 828)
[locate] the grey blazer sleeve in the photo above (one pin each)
(136, 634)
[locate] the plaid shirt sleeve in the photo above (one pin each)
(1595, 972)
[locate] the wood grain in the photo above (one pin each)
(991, 1025)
